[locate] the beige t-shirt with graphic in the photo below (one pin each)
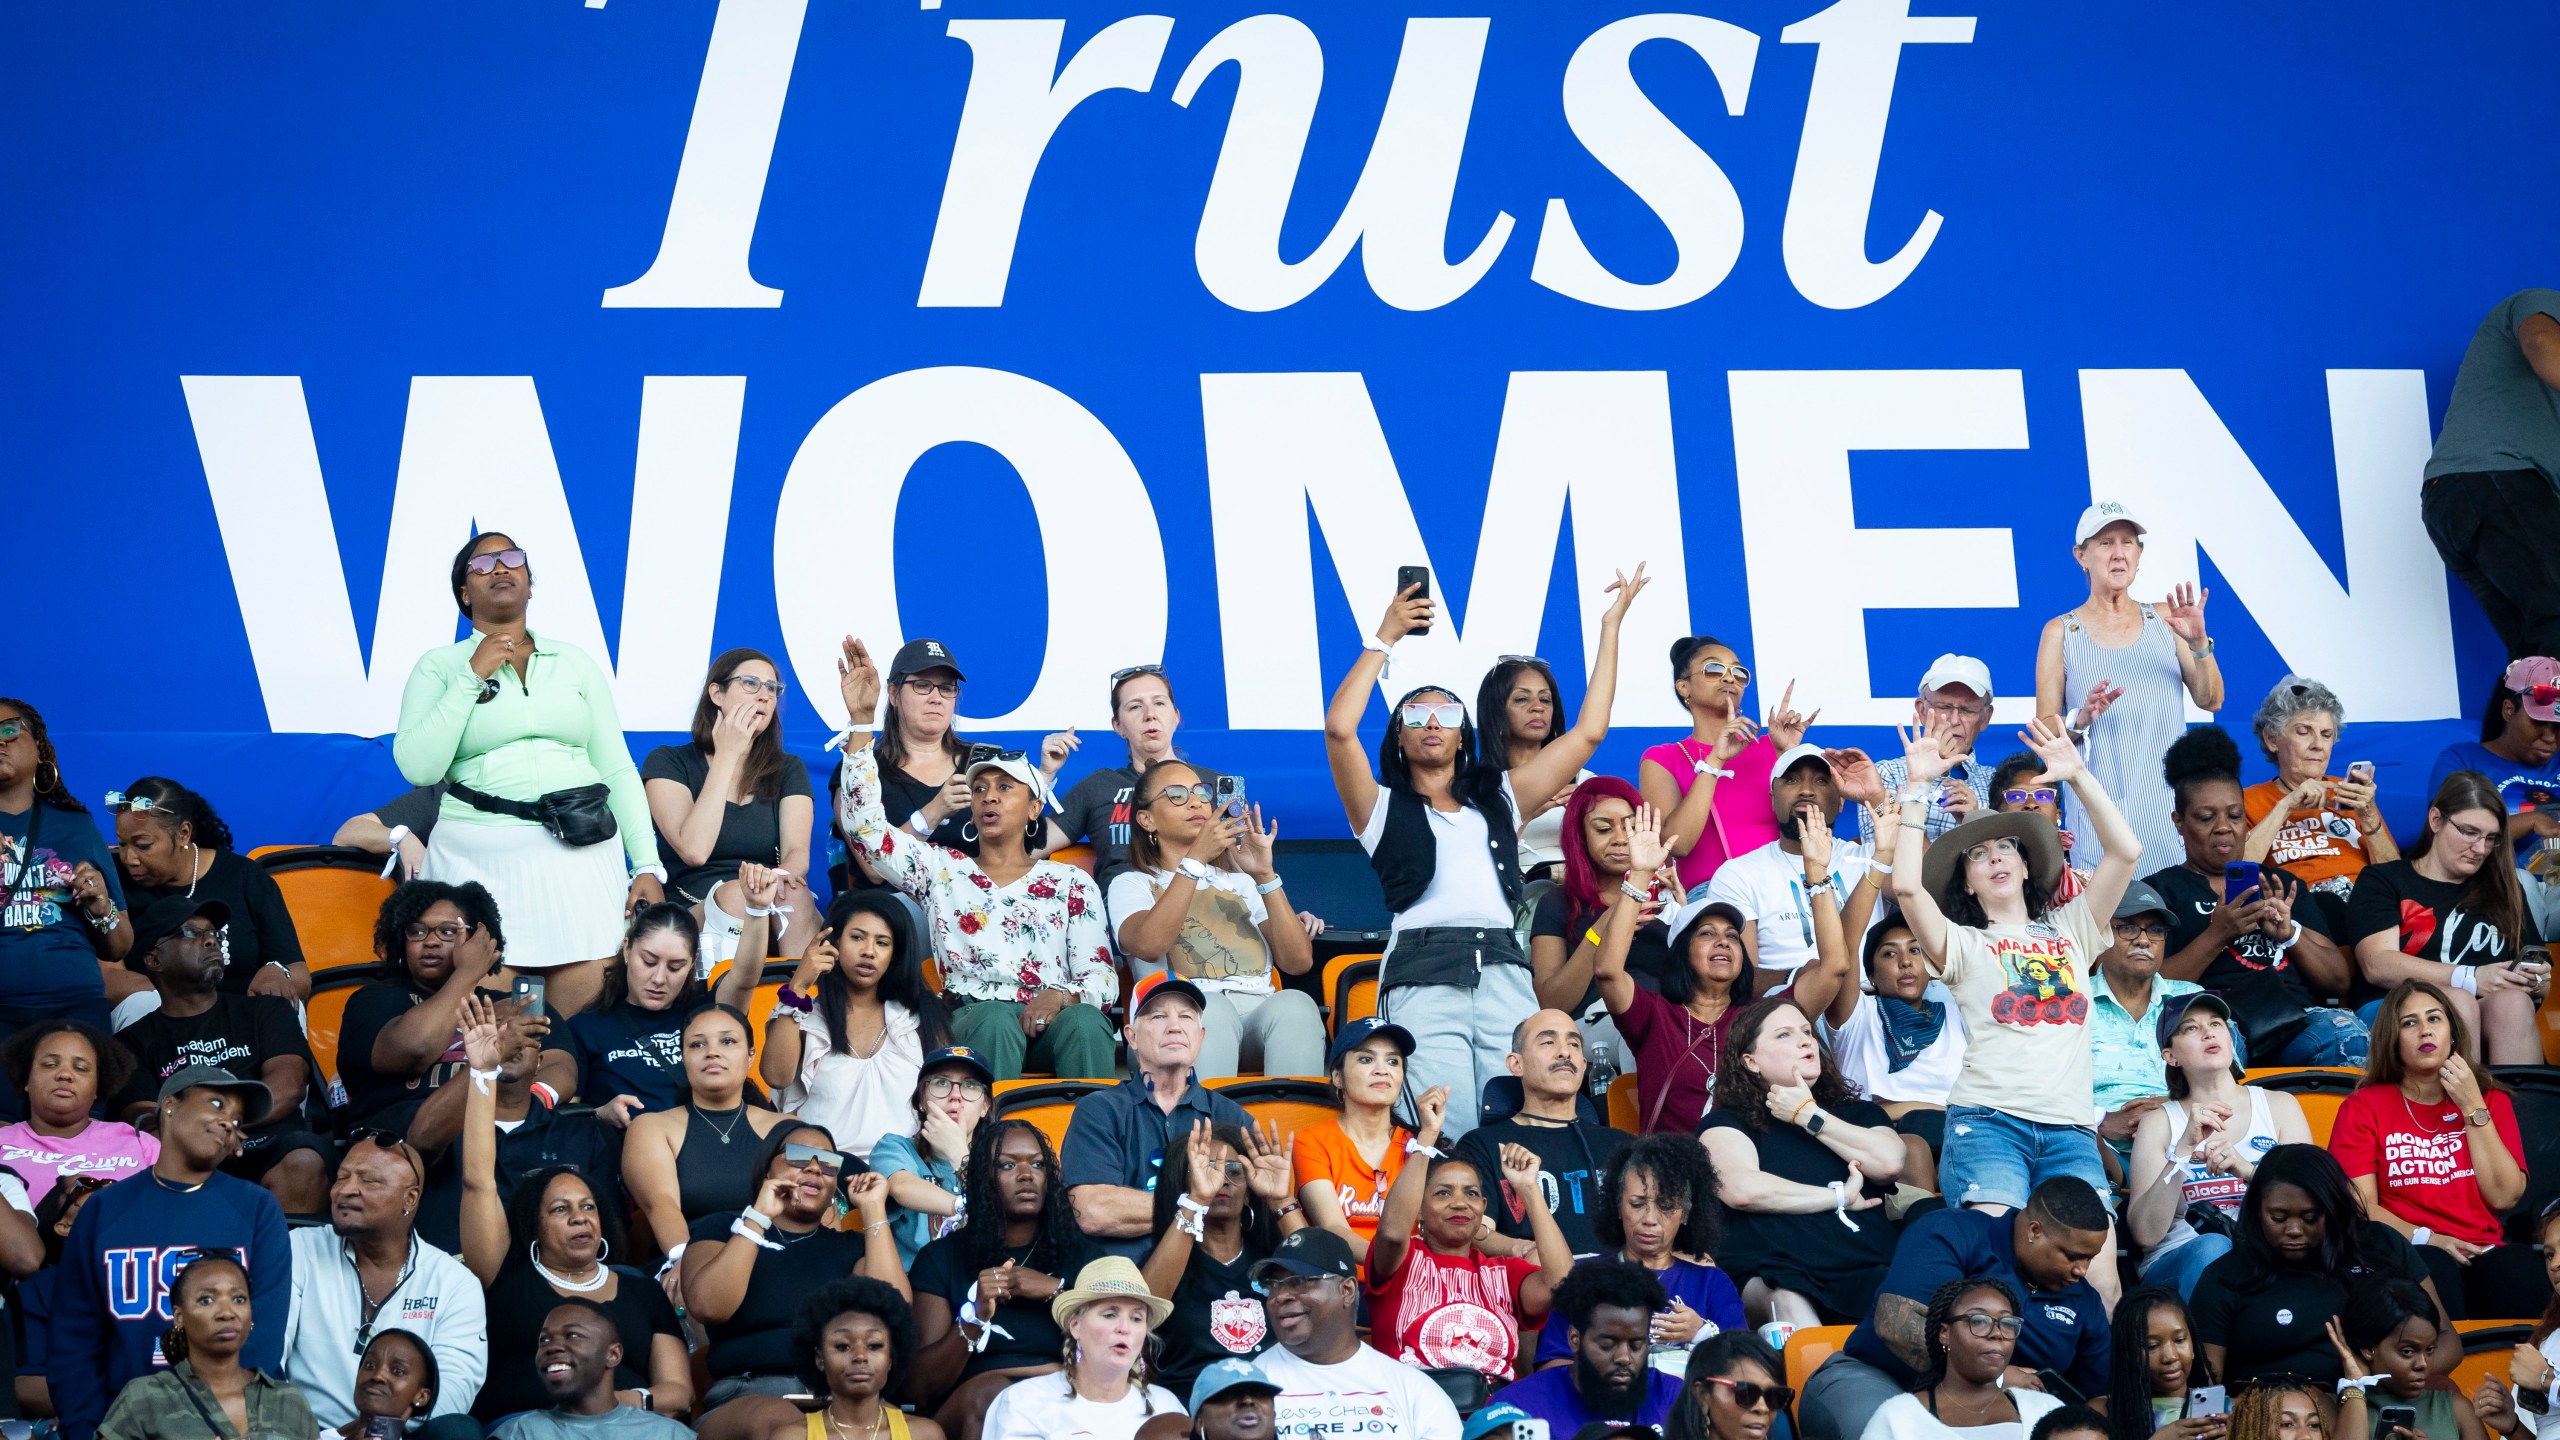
(2024, 991)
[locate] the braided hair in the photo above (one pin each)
(1942, 1310)
(1055, 1241)
(2257, 1413)
(49, 786)
(173, 804)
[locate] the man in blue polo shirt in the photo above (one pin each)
(2044, 1249)
(1118, 1139)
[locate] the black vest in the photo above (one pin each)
(1408, 854)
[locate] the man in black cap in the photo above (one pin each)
(1310, 1288)
(177, 943)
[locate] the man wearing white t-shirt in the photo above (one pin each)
(1768, 885)
(1330, 1383)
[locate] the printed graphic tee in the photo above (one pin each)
(2321, 846)
(2024, 993)
(2426, 918)
(1451, 1311)
(2420, 1158)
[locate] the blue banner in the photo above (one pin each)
(1077, 337)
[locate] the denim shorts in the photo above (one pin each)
(1995, 1158)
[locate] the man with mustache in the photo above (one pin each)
(2125, 1005)
(1310, 1288)
(576, 1355)
(1572, 1147)
(1608, 1308)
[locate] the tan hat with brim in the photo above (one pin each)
(1113, 1277)
(2038, 842)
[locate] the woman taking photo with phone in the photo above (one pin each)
(1024, 945)
(2452, 914)
(1972, 1330)
(542, 804)
(1201, 899)
(846, 1042)
(759, 806)
(1442, 833)
(205, 1378)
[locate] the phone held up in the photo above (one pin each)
(2361, 772)
(2238, 879)
(1230, 794)
(2208, 1400)
(1408, 576)
(531, 990)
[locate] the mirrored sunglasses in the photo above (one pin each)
(797, 1156)
(1449, 714)
(1741, 673)
(488, 564)
(119, 802)
(11, 730)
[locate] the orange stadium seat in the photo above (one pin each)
(1080, 856)
(327, 1009)
(2320, 1112)
(1048, 1103)
(333, 894)
(2486, 1346)
(1285, 1103)
(1351, 987)
(1808, 1348)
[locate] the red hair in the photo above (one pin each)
(1581, 877)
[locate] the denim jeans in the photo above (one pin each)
(1461, 1036)
(2334, 1037)
(1995, 1158)
(2181, 1268)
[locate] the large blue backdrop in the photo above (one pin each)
(1078, 337)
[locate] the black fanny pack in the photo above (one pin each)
(581, 816)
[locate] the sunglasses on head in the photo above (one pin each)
(488, 564)
(1748, 1394)
(798, 1156)
(388, 1140)
(119, 802)
(2031, 797)
(1120, 677)
(1519, 660)
(1450, 714)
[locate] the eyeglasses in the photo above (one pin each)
(1748, 1394)
(1982, 1325)
(197, 930)
(2471, 834)
(488, 564)
(799, 1156)
(1711, 668)
(449, 932)
(942, 1087)
(1186, 794)
(2140, 930)
(1449, 714)
(119, 802)
(1988, 848)
(1962, 712)
(2030, 797)
(11, 730)
(759, 684)
(947, 689)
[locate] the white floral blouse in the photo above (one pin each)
(1045, 930)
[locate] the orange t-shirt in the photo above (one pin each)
(2323, 845)
(1322, 1153)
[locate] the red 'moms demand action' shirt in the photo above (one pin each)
(2420, 1158)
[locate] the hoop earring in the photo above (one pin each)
(604, 1247)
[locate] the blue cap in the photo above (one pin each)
(1491, 1418)
(1359, 1032)
(959, 1055)
(1226, 1375)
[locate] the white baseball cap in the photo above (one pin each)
(2101, 515)
(1953, 669)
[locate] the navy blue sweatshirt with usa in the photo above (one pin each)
(111, 1297)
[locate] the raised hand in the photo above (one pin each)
(2183, 613)
(2101, 695)
(1627, 588)
(1786, 724)
(814, 964)
(1921, 757)
(1646, 849)
(484, 1036)
(1268, 1164)
(2046, 736)
(1857, 777)
(1737, 735)
(869, 1193)
(1255, 844)
(1409, 611)
(1055, 749)
(762, 884)
(1431, 1110)
(1208, 1173)
(1813, 836)
(858, 682)
(1217, 838)
(734, 732)
(770, 1196)
(1520, 1169)
(2349, 1367)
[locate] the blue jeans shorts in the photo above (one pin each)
(1995, 1158)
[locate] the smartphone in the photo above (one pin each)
(2238, 879)
(980, 755)
(2532, 1402)
(1230, 794)
(2208, 1400)
(2361, 772)
(2401, 1415)
(531, 989)
(384, 1427)
(1528, 1430)
(2059, 1388)
(1408, 576)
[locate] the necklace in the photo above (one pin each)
(737, 1117)
(559, 1281)
(2413, 1111)
(878, 1418)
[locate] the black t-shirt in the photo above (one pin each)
(1571, 1158)
(240, 1033)
(757, 1339)
(370, 1009)
(2280, 1327)
(418, 810)
(543, 1137)
(2248, 960)
(1095, 812)
(1837, 1267)
(1217, 1315)
(1033, 1338)
(1648, 953)
(261, 929)
(901, 796)
(749, 832)
(2426, 918)
(518, 1304)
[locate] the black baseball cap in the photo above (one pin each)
(920, 655)
(1311, 1251)
(2179, 1007)
(165, 917)
(1360, 1032)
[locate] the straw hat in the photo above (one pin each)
(1113, 1277)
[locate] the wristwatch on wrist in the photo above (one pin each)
(1813, 1123)
(2201, 651)
(2476, 1117)
(1196, 870)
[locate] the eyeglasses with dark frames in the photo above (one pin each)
(1982, 1324)
(947, 689)
(759, 684)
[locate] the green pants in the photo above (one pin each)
(1078, 1043)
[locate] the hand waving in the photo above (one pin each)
(2052, 744)
(1646, 849)
(1267, 1162)
(1627, 588)
(484, 1036)
(1857, 777)
(2183, 613)
(858, 682)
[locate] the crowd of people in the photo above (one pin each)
(1964, 1069)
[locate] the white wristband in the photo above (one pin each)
(483, 1081)
(654, 872)
(2422, 1235)
(2466, 977)
(1416, 1147)
(1372, 642)
(1840, 1203)
(745, 1231)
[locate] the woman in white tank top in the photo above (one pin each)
(2202, 1146)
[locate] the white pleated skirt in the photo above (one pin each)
(557, 904)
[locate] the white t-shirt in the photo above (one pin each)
(858, 1098)
(1907, 1417)
(1042, 1408)
(1542, 838)
(1465, 891)
(1209, 932)
(1866, 1063)
(1367, 1397)
(2024, 991)
(1767, 886)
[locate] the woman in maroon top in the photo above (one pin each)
(2432, 1148)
